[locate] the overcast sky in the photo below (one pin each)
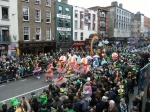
(132, 5)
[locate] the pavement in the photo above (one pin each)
(22, 87)
(27, 85)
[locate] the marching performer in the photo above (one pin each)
(61, 71)
(49, 73)
(37, 71)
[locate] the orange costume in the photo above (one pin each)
(49, 73)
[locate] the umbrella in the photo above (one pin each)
(75, 56)
(63, 58)
(84, 60)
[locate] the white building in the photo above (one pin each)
(119, 21)
(84, 23)
(8, 27)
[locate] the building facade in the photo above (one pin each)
(102, 20)
(84, 24)
(119, 21)
(63, 25)
(36, 26)
(8, 27)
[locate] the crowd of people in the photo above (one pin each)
(104, 87)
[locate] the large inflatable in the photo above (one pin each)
(93, 40)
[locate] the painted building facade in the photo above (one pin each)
(63, 26)
(84, 24)
(8, 27)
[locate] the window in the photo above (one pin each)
(38, 2)
(76, 24)
(93, 17)
(5, 13)
(76, 14)
(67, 11)
(81, 36)
(25, 0)
(93, 26)
(67, 23)
(48, 17)
(89, 26)
(66, 37)
(89, 16)
(48, 3)
(81, 15)
(60, 36)
(25, 11)
(75, 35)
(37, 15)
(48, 34)
(81, 24)
(26, 33)
(60, 10)
(38, 33)
(60, 23)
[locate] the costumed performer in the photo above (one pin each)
(61, 71)
(49, 73)
(85, 67)
(70, 66)
(37, 71)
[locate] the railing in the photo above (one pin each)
(143, 84)
(5, 39)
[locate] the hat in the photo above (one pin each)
(14, 102)
(61, 90)
(3, 103)
(78, 81)
(88, 79)
(43, 99)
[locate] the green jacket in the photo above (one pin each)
(70, 110)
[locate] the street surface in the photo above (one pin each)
(25, 86)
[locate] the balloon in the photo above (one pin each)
(114, 56)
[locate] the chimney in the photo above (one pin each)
(64, 1)
(115, 3)
(120, 5)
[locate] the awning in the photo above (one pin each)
(78, 44)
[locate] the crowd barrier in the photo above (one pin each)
(144, 80)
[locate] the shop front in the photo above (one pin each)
(79, 45)
(36, 47)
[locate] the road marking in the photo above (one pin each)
(2, 85)
(23, 80)
(24, 93)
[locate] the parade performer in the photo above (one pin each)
(61, 71)
(37, 71)
(85, 67)
(49, 73)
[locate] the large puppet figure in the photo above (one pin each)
(49, 73)
(61, 71)
(85, 67)
(37, 71)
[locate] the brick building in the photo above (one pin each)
(36, 26)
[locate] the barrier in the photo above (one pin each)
(144, 80)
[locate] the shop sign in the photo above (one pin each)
(63, 16)
(78, 44)
(37, 44)
(12, 47)
(63, 29)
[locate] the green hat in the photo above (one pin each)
(96, 76)
(78, 81)
(43, 99)
(14, 102)
(68, 72)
